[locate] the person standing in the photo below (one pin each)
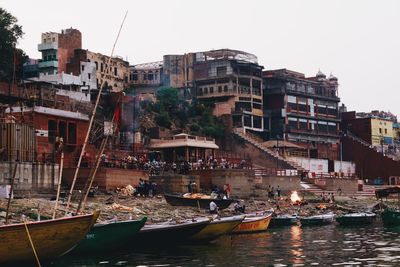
(278, 191)
(213, 208)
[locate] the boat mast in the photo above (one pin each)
(91, 120)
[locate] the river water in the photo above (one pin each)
(329, 245)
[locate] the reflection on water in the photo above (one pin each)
(291, 246)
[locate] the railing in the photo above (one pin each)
(276, 172)
(331, 175)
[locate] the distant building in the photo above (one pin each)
(303, 110)
(94, 69)
(231, 79)
(57, 49)
(376, 131)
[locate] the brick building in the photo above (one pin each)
(303, 110)
(115, 75)
(57, 49)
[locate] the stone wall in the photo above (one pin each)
(332, 184)
(175, 183)
(106, 178)
(32, 177)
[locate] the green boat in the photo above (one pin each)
(283, 220)
(109, 236)
(391, 217)
(355, 219)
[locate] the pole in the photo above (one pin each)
(91, 121)
(11, 191)
(59, 181)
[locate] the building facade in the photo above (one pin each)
(95, 69)
(57, 49)
(303, 110)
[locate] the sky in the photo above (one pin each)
(358, 41)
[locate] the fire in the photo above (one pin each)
(294, 197)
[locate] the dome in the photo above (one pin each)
(332, 78)
(320, 75)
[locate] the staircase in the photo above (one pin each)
(257, 142)
(313, 189)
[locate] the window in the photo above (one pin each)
(257, 106)
(52, 130)
(115, 71)
(101, 67)
(292, 123)
(62, 130)
(150, 76)
(226, 88)
(211, 90)
(97, 65)
(385, 131)
(71, 133)
(257, 122)
(221, 70)
(83, 67)
(219, 89)
(380, 130)
(88, 75)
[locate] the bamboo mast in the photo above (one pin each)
(91, 121)
(59, 177)
(11, 191)
(89, 183)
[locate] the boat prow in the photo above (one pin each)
(109, 236)
(315, 220)
(170, 232)
(253, 224)
(356, 218)
(218, 227)
(51, 238)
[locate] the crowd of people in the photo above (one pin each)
(157, 166)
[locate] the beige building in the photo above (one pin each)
(381, 131)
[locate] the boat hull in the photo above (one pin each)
(355, 220)
(110, 236)
(253, 225)
(391, 217)
(312, 221)
(51, 239)
(169, 233)
(203, 203)
(286, 221)
(217, 228)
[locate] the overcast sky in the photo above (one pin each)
(358, 41)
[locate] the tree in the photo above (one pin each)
(168, 98)
(10, 56)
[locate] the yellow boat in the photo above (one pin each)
(51, 238)
(218, 227)
(253, 224)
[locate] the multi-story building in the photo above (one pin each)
(376, 131)
(57, 49)
(232, 80)
(303, 110)
(95, 66)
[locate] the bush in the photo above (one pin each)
(163, 120)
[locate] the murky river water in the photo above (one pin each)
(329, 245)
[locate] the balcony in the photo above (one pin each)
(290, 129)
(47, 46)
(48, 64)
(284, 90)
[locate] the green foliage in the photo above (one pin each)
(163, 120)
(195, 128)
(10, 32)
(168, 99)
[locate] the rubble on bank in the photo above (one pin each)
(123, 206)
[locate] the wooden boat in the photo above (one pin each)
(355, 219)
(317, 219)
(283, 220)
(204, 203)
(253, 224)
(391, 217)
(218, 227)
(51, 238)
(170, 232)
(109, 236)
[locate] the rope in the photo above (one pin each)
(33, 247)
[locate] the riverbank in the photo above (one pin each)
(123, 207)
